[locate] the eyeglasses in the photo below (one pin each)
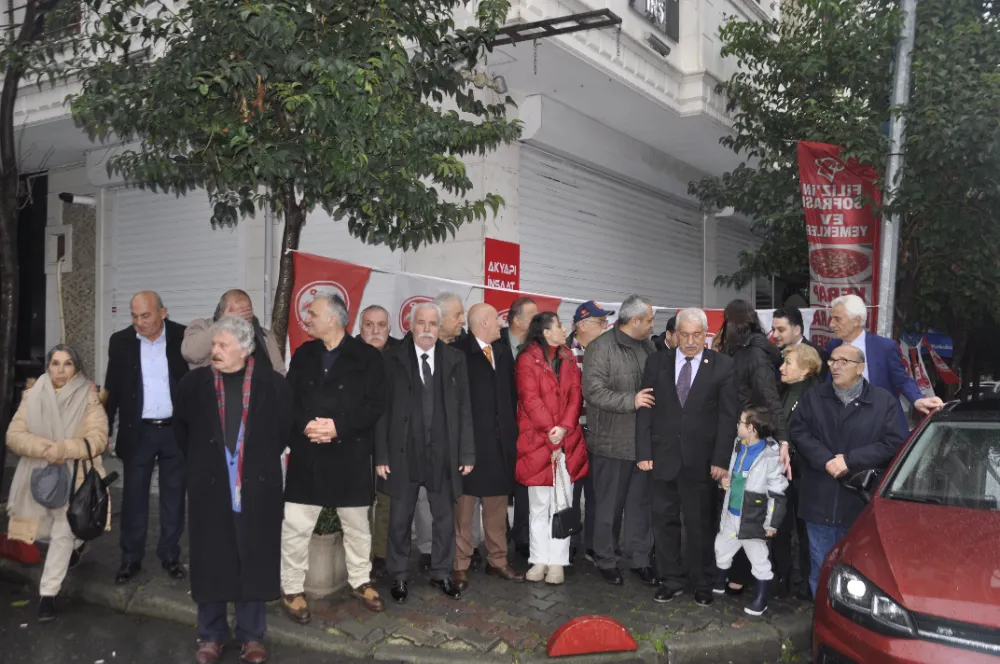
(841, 361)
(745, 423)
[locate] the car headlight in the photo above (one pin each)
(859, 599)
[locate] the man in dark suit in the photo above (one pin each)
(512, 338)
(375, 327)
(788, 329)
(493, 396)
(375, 332)
(424, 439)
(685, 440)
(884, 364)
(145, 366)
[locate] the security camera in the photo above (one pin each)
(76, 199)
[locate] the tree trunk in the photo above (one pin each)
(294, 221)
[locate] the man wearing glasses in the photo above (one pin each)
(840, 428)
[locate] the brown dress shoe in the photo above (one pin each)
(460, 578)
(297, 608)
(506, 573)
(254, 652)
(369, 597)
(208, 652)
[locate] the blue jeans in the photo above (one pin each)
(821, 540)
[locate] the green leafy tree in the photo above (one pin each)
(38, 43)
(824, 73)
(358, 108)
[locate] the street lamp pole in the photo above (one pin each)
(894, 169)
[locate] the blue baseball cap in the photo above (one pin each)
(590, 309)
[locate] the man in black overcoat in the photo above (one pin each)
(493, 396)
(338, 387)
(424, 439)
(232, 421)
(145, 366)
(685, 441)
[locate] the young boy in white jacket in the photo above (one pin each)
(754, 504)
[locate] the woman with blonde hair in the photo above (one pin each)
(800, 371)
(60, 420)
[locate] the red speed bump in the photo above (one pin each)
(590, 634)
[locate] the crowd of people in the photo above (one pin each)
(606, 439)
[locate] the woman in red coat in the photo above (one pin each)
(548, 418)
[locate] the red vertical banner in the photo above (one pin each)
(315, 275)
(842, 231)
(503, 271)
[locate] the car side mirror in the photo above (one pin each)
(864, 483)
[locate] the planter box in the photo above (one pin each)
(327, 571)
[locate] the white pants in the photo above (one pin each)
(542, 503)
(422, 524)
(61, 545)
(728, 544)
(296, 531)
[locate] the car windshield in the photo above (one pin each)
(952, 463)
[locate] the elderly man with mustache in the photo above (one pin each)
(424, 439)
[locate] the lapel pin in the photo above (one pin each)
(705, 361)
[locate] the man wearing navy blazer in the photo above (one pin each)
(884, 367)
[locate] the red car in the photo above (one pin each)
(917, 577)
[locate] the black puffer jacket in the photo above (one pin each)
(756, 366)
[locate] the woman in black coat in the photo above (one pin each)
(235, 535)
(756, 362)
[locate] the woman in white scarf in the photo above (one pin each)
(58, 415)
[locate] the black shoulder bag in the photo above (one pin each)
(88, 505)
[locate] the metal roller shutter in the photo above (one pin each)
(733, 237)
(589, 236)
(167, 244)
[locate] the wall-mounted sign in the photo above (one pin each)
(663, 14)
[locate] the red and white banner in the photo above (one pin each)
(920, 373)
(841, 229)
(412, 290)
(501, 301)
(945, 372)
(315, 275)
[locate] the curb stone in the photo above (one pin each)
(756, 643)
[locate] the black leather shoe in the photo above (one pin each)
(476, 563)
(47, 609)
(612, 576)
(703, 597)
(447, 587)
(77, 555)
(400, 591)
(126, 572)
(666, 593)
(425, 562)
(175, 570)
(646, 575)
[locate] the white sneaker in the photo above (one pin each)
(536, 573)
(554, 575)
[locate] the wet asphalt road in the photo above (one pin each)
(89, 634)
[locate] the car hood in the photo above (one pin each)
(938, 560)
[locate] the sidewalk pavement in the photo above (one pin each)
(495, 621)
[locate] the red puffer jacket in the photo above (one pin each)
(542, 403)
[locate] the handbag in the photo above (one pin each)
(565, 522)
(88, 505)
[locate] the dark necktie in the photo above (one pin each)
(425, 369)
(684, 381)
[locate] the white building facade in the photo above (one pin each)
(596, 190)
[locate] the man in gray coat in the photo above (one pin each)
(612, 375)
